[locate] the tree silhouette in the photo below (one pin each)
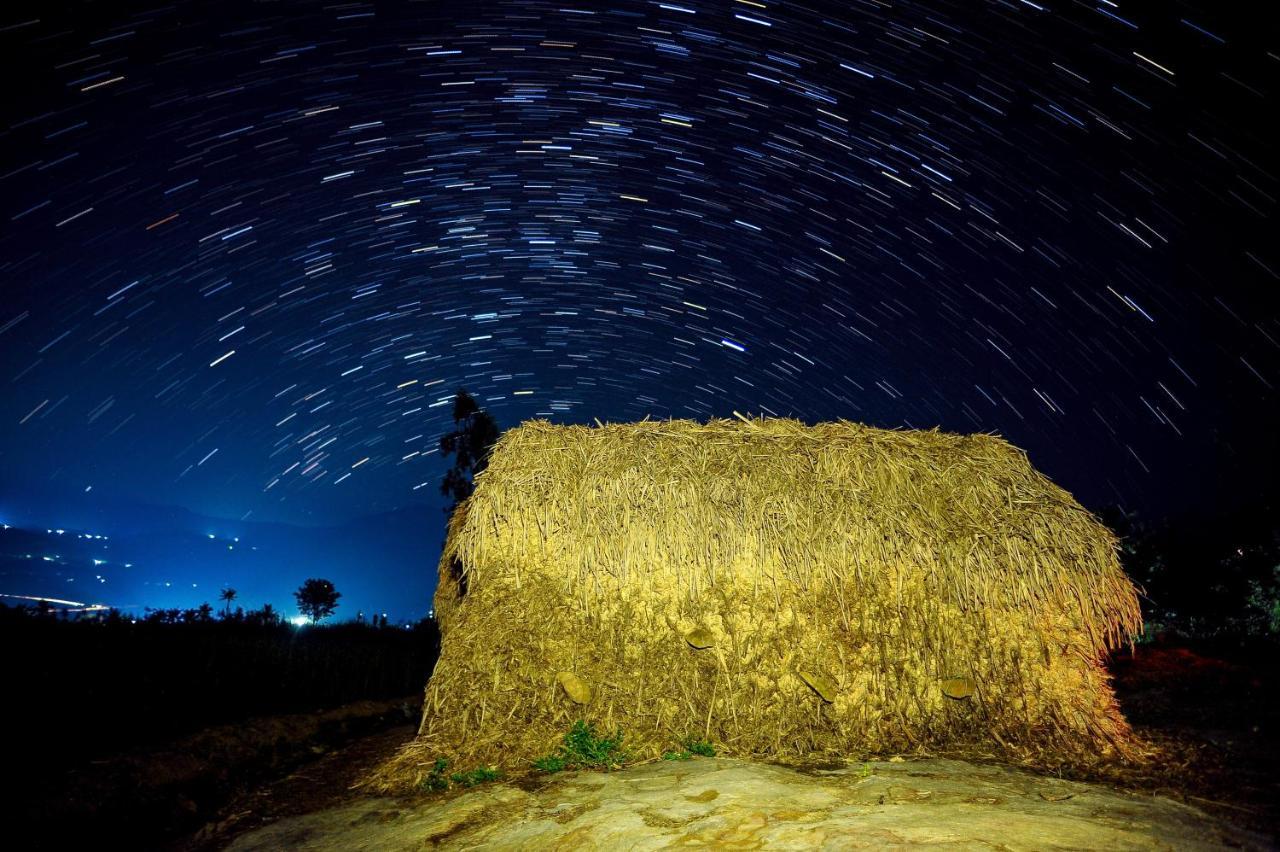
(227, 595)
(474, 434)
(317, 599)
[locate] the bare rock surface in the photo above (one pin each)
(733, 804)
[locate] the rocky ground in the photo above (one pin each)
(731, 804)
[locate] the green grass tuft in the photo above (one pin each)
(702, 748)
(583, 748)
(690, 746)
(550, 763)
(475, 776)
(437, 781)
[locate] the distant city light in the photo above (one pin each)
(85, 607)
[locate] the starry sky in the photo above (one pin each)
(248, 251)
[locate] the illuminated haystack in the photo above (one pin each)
(784, 591)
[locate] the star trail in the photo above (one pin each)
(249, 251)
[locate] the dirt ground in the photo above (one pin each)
(145, 797)
(1213, 716)
(1209, 716)
(326, 783)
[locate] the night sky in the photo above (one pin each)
(250, 250)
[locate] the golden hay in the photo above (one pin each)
(781, 590)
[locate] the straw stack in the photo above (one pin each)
(784, 591)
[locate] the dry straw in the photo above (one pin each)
(784, 591)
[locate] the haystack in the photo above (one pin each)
(780, 590)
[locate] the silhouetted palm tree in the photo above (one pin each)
(227, 595)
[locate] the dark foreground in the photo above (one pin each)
(1210, 714)
(1213, 716)
(155, 796)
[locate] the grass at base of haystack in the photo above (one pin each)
(414, 765)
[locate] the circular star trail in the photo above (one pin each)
(250, 250)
